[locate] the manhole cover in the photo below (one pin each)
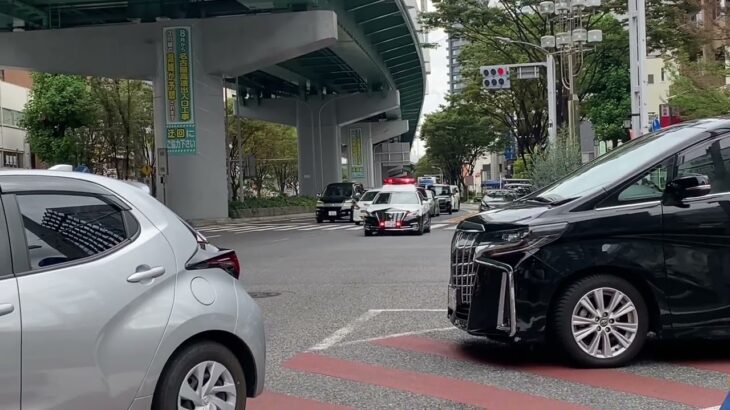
(261, 295)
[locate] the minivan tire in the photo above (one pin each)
(168, 389)
(561, 321)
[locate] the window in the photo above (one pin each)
(12, 118)
(711, 159)
(369, 196)
(61, 228)
(397, 198)
(663, 75)
(651, 79)
(648, 188)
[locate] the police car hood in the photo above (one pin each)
(394, 207)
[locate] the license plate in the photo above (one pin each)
(452, 299)
(390, 224)
(332, 213)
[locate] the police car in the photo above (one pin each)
(398, 207)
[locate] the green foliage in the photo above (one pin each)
(520, 169)
(456, 136)
(425, 166)
(608, 93)
(275, 202)
(699, 91)
(555, 162)
(58, 105)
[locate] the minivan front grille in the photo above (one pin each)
(463, 267)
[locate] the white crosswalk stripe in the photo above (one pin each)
(243, 227)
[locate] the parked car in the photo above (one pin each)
(634, 242)
(362, 205)
(124, 306)
(519, 189)
(398, 208)
(497, 198)
(445, 197)
(338, 201)
(430, 197)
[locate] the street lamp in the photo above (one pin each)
(570, 41)
(550, 65)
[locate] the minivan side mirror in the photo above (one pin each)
(688, 186)
(319, 195)
(357, 195)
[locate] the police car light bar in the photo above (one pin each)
(399, 181)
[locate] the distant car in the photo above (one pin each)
(494, 199)
(433, 204)
(398, 208)
(445, 197)
(338, 201)
(108, 300)
(362, 205)
(520, 189)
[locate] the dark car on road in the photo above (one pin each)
(338, 201)
(445, 197)
(636, 241)
(498, 198)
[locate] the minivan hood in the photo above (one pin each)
(514, 214)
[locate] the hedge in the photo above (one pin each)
(274, 202)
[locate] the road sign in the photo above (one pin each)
(496, 77)
(146, 170)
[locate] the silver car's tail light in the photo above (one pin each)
(223, 259)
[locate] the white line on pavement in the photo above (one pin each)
(450, 228)
(356, 228)
(334, 228)
(416, 332)
(342, 333)
(212, 236)
(286, 227)
(312, 228)
(436, 226)
(248, 228)
(407, 310)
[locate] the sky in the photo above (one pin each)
(438, 86)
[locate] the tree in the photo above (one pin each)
(268, 143)
(523, 108)
(555, 161)
(426, 166)
(284, 168)
(58, 105)
(456, 136)
(697, 91)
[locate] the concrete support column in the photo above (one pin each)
(372, 133)
(319, 145)
(195, 186)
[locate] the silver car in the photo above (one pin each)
(109, 301)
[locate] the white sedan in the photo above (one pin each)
(398, 210)
(362, 205)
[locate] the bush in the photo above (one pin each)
(274, 202)
(555, 162)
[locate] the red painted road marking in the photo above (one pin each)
(602, 378)
(278, 401)
(446, 388)
(722, 366)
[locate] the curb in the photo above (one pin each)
(204, 222)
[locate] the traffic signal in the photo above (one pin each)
(496, 77)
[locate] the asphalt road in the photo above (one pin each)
(360, 322)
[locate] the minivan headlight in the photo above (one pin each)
(320, 203)
(519, 240)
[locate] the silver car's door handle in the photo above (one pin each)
(146, 274)
(6, 308)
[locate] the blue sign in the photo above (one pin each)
(509, 153)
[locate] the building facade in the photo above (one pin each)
(454, 47)
(14, 90)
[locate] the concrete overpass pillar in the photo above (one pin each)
(368, 134)
(319, 121)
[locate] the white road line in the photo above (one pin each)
(416, 332)
(342, 333)
(212, 236)
(313, 228)
(356, 228)
(248, 228)
(450, 228)
(265, 228)
(285, 227)
(334, 228)
(407, 310)
(436, 226)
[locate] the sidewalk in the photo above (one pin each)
(285, 218)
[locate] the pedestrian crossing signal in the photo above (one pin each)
(496, 77)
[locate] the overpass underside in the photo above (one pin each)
(344, 101)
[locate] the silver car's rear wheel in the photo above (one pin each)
(604, 323)
(207, 386)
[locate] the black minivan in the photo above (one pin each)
(636, 241)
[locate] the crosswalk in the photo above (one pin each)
(248, 227)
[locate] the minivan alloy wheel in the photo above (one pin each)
(605, 322)
(207, 386)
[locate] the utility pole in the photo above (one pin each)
(552, 105)
(637, 63)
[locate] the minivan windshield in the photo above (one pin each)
(368, 196)
(616, 165)
(441, 190)
(338, 190)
